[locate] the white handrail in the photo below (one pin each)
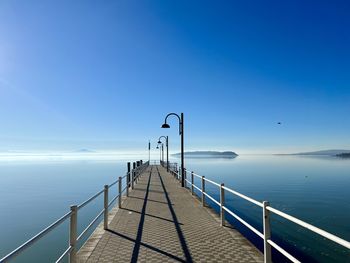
(283, 252)
(64, 254)
(212, 182)
(42, 233)
(36, 237)
(211, 198)
(243, 222)
(89, 200)
(200, 190)
(114, 198)
(243, 196)
(197, 175)
(312, 228)
(91, 223)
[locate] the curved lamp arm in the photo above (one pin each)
(166, 140)
(165, 125)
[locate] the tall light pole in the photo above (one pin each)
(149, 152)
(167, 150)
(160, 152)
(181, 133)
(163, 153)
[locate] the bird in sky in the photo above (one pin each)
(279, 123)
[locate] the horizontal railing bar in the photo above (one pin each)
(283, 252)
(211, 198)
(113, 183)
(243, 196)
(89, 200)
(197, 188)
(36, 237)
(243, 222)
(90, 225)
(115, 198)
(124, 189)
(197, 175)
(118, 180)
(60, 220)
(314, 229)
(64, 254)
(210, 181)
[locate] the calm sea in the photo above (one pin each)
(315, 189)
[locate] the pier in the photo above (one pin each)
(153, 218)
(162, 222)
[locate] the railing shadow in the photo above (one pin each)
(147, 246)
(158, 217)
(137, 241)
(149, 200)
(136, 250)
(176, 223)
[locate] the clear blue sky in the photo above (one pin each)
(103, 74)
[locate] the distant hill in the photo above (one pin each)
(343, 155)
(84, 151)
(324, 152)
(208, 154)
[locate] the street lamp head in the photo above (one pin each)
(159, 142)
(165, 125)
(157, 147)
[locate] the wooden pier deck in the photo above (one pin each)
(162, 222)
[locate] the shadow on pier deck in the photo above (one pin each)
(162, 222)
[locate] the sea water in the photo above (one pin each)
(314, 189)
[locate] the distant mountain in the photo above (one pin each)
(84, 151)
(324, 152)
(208, 154)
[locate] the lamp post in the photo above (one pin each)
(181, 133)
(160, 152)
(167, 150)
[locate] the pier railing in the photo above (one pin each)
(130, 178)
(266, 210)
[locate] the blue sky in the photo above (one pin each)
(103, 74)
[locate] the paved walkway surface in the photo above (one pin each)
(162, 222)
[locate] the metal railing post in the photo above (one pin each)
(73, 233)
(203, 191)
(192, 188)
(128, 179)
(105, 205)
(133, 175)
(267, 233)
(120, 192)
(184, 175)
(222, 203)
(136, 171)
